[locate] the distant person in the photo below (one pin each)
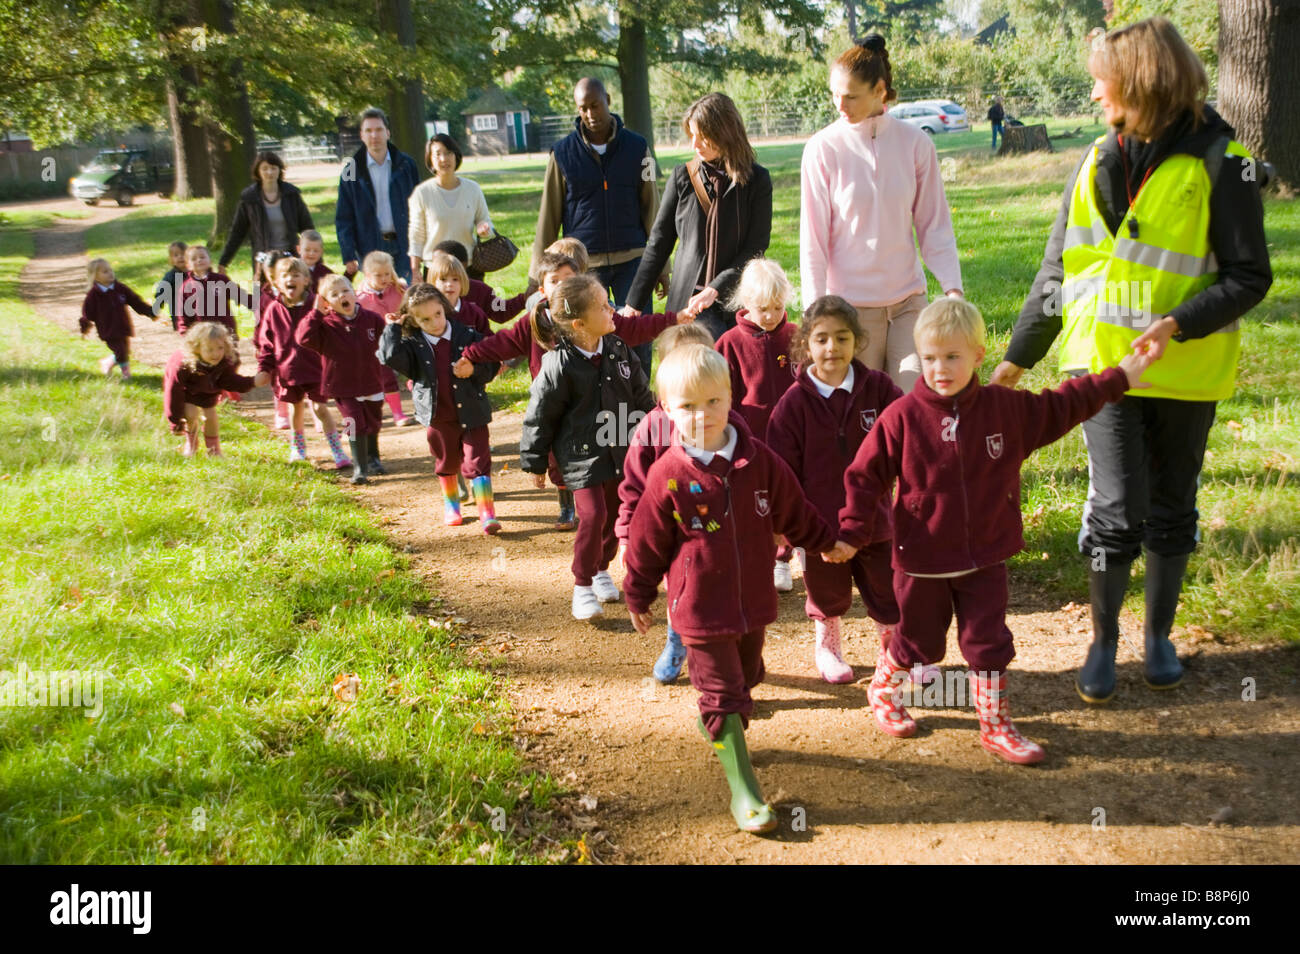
(105, 309)
(869, 182)
(271, 214)
(373, 212)
(168, 290)
(600, 189)
(1160, 203)
(996, 116)
(717, 211)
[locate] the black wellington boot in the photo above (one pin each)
(375, 466)
(1095, 681)
(1164, 581)
(360, 459)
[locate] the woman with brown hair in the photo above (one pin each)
(271, 213)
(720, 207)
(868, 182)
(1159, 245)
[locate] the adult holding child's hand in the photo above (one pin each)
(1159, 208)
(870, 181)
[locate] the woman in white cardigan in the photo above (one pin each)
(446, 206)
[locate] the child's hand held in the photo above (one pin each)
(539, 481)
(463, 368)
(641, 622)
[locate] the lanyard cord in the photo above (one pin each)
(1123, 157)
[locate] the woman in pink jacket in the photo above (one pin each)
(868, 181)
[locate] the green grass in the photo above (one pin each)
(1246, 576)
(219, 599)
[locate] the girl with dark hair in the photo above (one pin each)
(868, 182)
(720, 207)
(271, 214)
(446, 207)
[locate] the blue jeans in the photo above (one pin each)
(997, 131)
(401, 261)
(618, 279)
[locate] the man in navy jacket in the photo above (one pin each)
(601, 188)
(374, 189)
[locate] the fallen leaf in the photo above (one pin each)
(176, 708)
(1221, 816)
(347, 686)
(587, 803)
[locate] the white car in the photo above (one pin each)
(934, 115)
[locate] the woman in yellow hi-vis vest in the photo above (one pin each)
(1159, 244)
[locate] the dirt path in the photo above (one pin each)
(1139, 781)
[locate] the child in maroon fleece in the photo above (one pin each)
(758, 352)
(295, 370)
(205, 366)
(650, 441)
(207, 295)
(381, 291)
(105, 309)
(492, 304)
(707, 519)
(817, 428)
(347, 337)
(311, 249)
(956, 447)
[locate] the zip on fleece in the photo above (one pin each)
(961, 471)
(735, 548)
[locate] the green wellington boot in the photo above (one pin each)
(751, 813)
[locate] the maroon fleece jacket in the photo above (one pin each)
(957, 462)
(471, 316)
(712, 530)
(761, 369)
(517, 340)
(484, 295)
(650, 441)
(107, 311)
(819, 437)
(181, 385)
(211, 298)
(349, 366)
(278, 351)
(319, 271)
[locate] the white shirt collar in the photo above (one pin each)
(445, 336)
(726, 452)
(370, 160)
(824, 389)
(591, 354)
(105, 287)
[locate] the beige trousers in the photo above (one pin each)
(889, 346)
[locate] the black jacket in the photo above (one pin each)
(413, 358)
(250, 221)
(744, 230)
(1236, 236)
(584, 414)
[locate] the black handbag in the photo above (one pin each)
(494, 254)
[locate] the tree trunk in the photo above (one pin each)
(405, 101)
(634, 74)
(1259, 81)
(851, 9)
(232, 144)
(189, 145)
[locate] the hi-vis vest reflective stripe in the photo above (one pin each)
(1116, 286)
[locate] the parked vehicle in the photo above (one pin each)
(933, 116)
(121, 175)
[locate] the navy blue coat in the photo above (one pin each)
(602, 194)
(355, 219)
(413, 358)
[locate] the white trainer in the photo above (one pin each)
(585, 604)
(602, 584)
(782, 578)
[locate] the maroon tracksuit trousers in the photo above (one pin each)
(723, 669)
(927, 604)
(595, 545)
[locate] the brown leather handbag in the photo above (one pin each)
(494, 254)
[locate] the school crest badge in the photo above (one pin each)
(762, 504)
(624, 370)
(868, 418)
(993, 442)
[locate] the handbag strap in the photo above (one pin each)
(693, 170)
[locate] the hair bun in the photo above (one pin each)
(873, 42)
